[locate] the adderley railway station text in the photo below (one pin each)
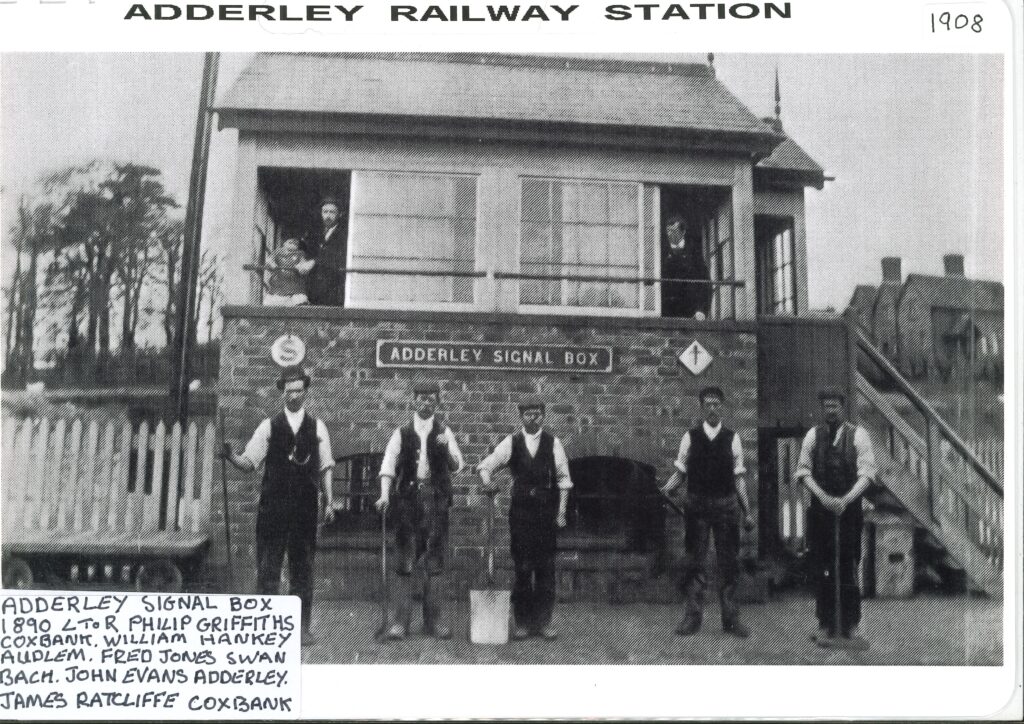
(457, 13)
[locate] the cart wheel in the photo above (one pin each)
(159, 576)
(17, 574)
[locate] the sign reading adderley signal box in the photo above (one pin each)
(492, 356)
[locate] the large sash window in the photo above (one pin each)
(415, 222)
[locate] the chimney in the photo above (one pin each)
(891, 271)
(954, 264)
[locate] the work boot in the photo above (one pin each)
(549, 633)
(822, 633)
(520, 633)
(438, 631)
(396, 632)
(689, 626)
(737, 629)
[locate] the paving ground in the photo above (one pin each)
(925, 630)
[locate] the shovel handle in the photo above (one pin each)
(490, 540)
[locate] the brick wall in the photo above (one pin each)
(638, 411)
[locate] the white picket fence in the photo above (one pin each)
(91, 486)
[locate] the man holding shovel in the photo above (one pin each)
(837, 464)
(420, 459)
(540, 493)
(710, 460)
(297, 454)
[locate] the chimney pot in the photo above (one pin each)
(892, 271)
(954, 264)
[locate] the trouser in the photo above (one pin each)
(706, 517)
(821, 541)
(422, 538)
(300, 543)
(533, 532)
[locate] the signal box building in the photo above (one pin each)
(503, 223)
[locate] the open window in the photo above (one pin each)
(355, 489)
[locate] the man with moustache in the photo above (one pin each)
(326, 282)
(837, 464)
(296, 451)
(684, 260)
(419, 459)
(540, 493)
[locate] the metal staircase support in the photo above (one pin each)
(935, 474)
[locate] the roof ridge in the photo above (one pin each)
(531, 60)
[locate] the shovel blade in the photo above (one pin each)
(488, 616)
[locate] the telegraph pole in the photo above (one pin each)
(184, 336)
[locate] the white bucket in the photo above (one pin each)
(488, 617)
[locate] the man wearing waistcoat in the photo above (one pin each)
(296, 451)
(419, 459)
(710, 461)
(837, 465)
(540, 492)
(326, 282)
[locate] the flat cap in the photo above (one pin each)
(832, 393)
(531, 402)
(426, 387)
(290, 374)
(329, 200)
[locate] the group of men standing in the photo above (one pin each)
(836, 464)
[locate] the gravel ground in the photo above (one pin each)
(925, 630)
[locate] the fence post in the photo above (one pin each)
(933, 442)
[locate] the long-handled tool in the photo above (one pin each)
(838, 641)
(227, 507)
(385, 601)
(489, 608)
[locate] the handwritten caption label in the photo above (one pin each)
(135, 656)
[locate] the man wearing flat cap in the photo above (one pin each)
(326, 284)
(710, 461)
(295, 450)
(540, 493)
(837, 465)
(419, 459)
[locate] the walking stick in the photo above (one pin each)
(385, 583)
(227, 514)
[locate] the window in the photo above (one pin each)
(783, 298)
(721, 261)
(354, 489)
(412, 221)
(591, 229)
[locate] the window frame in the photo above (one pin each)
(475, 305)
(637, 311)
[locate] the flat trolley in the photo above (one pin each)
(104, 504)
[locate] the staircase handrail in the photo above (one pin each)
(928, 412)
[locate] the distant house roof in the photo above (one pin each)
(864, 298)
(513, 89)
(956, 292)
(789, 162)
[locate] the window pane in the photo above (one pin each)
(414, 222)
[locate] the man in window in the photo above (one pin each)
(297, 452)
(710, 462)
(327, 280)
(540, 492)
(420, 458)
(684, 260)
(837, 465)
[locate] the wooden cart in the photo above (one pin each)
(104, 504)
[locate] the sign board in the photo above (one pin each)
(491, 356)
(695, 358)
(288, 350)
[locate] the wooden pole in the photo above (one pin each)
(185, 323)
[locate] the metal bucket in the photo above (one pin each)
(488, 616)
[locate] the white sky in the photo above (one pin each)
(914, 142)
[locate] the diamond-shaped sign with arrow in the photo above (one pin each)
(695, 358)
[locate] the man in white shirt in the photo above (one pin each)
(710, 460)
(296, 479)
(420, 458)
(540, 477)
(837, 464)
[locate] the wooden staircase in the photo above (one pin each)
(932, 472)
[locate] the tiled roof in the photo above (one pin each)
(957, 292)
(790, 160)
(863, 297)
(624, 93)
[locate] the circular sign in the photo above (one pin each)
(288, 350)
